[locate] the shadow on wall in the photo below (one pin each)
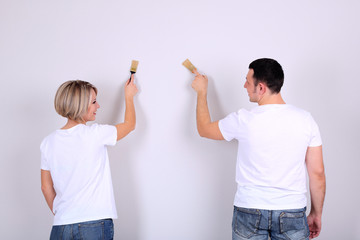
(217, 160)
(123, 171)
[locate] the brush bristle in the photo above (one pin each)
(189, 65)
(134, 65)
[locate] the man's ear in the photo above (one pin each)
(262, 88)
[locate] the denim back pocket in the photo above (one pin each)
(294, 225)
(246, 221)
(92, 230)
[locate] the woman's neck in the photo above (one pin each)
(71, 123)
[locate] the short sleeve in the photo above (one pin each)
(315, 138)
(229, 126)
(44, 163)
(106, 134)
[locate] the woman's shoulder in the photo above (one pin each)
(97, 126)
(48, 139)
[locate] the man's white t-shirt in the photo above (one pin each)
(270, 169)
(78, 161)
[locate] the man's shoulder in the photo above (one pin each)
(296, 110)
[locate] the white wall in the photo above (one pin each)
(170, 183)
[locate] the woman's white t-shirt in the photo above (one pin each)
(78, 161)
(273, 140)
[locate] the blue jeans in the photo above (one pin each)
(256, 224)
(92, 230)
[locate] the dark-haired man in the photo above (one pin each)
(277, 144)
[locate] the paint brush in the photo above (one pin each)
(134, 65)
(189, 65)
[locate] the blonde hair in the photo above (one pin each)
(72, 99)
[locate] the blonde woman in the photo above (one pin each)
(75, 172)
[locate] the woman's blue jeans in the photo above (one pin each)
(92, 230)
(257, 224)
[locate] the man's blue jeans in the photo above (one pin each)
(257, 224)
(92, 230)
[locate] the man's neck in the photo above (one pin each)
(271, 99)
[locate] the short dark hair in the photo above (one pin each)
(268, 71)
